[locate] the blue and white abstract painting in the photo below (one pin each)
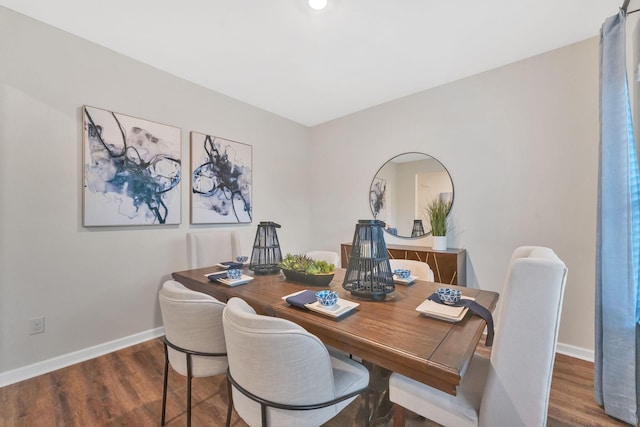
(132, 170)
(220, 180)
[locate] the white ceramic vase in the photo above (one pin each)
(439, 243)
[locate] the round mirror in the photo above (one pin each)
(402, 189)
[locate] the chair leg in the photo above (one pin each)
(189, 377)
(368, 415)
(164, 388)
(398, 415)
(230, 404)
(263, 412)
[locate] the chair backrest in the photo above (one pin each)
(328, 256)
(277, 360)
(207, 248)
(418, 268)
(519, 379)
(193, 321)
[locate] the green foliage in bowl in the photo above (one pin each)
(303, 263)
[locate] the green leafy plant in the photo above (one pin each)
(303, 263)
(438, 210)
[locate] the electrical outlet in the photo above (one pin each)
(36, 325)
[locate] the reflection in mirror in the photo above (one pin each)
(403, 187)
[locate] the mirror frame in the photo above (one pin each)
(374, 195)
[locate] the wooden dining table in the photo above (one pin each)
(389, 334)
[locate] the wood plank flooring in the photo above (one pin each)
(124, 388)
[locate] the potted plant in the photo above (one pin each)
(303, 269)
(438, 210)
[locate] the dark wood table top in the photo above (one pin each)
(390, 334)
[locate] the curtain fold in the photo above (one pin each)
(618, 235)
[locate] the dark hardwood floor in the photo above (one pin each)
(124, 388)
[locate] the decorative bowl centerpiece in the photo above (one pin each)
(303, 269)
(327, 298)
(449, 296)
(242, 259)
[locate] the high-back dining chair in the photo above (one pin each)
(281, 375)
(194, 343)
(418, 268)
(207, 248)
(512, 387)
(328, 256)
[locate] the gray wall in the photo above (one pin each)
(100, 284)
(521, 145)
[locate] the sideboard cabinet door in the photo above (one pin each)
(448, 266)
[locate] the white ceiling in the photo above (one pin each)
(311, 67)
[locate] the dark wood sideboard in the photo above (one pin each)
(449, 266)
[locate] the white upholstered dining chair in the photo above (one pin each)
(281, 375)
(418, 268)
(207, 248)
(512, 387)
(327, 256)
(194, 342)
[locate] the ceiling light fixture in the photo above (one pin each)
(317, 4)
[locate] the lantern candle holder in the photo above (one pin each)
(266, 254)
(418, 228)
(368, 273)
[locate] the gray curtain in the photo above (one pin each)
(618, 235)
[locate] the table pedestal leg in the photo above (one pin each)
(381, 407)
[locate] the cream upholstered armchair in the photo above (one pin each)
(418, 268)
(207, 248)
(281, 375)
(328, 256)
(194, 343)
(512, 387)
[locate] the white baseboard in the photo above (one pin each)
(49, 365)
(577, 352)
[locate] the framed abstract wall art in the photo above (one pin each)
(132, 170)
(377, 198)
(220, 180)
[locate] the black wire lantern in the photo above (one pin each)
(418, 229)
(266, 254)
(369, 274)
